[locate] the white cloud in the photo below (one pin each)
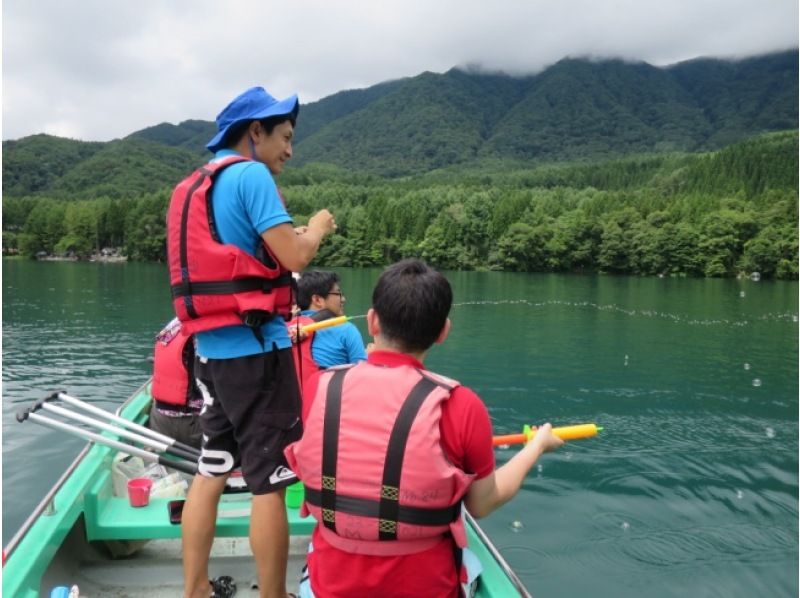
(99, 70)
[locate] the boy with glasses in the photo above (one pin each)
(319, 297)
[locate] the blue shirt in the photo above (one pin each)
(246, 203)
(336, 346)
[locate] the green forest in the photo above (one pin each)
(715, 214)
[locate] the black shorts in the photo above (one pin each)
(251, 412)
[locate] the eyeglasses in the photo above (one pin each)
(336, 293)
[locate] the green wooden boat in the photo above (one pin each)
(70, 537)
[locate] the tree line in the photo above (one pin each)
(717, 214)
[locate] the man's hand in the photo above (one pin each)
(296, 247)
(322, 222)
(296, 333)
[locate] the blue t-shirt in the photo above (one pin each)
(246, 203)
(338, 345)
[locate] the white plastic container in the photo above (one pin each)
(165, 484)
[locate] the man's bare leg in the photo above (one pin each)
(269, 541)
(197, 533)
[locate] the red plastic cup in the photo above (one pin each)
(139, 491)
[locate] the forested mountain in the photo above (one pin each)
(191, 135)
(587, 166)
(35, 164)
(758, 94)
(710, 214)
(574, 110)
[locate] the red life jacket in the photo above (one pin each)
(216, 284)
(375, 474)
(172, 367)
(304, 364)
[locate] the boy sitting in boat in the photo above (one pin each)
(320, 297)
(391, 451)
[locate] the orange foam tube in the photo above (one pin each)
(575, 432)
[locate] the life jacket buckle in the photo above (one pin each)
(256, 318)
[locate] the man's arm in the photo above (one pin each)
(294, 249)
(496, 489)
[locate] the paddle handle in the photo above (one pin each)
(575, 432)
(324, 324)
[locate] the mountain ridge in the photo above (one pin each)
(577, 109)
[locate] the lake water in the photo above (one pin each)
(692, 488)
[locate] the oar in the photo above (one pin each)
(161, 447)
(122, 422)
(184, 466)
(575, 432)
(234, 484)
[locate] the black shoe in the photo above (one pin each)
(223, 587)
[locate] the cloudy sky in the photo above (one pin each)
(101, 69)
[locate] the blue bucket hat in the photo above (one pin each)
(253, 104)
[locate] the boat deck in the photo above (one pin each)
(155, 569)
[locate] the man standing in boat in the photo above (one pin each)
(390, 452)
(230, 262)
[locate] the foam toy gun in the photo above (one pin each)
(564, 433)
(325, 324)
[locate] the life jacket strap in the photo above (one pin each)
(254, 319)
(330, 448)
(365, 507)
(389, 508)
(229, 287)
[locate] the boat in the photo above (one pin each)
(71, 536)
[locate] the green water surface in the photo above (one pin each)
(692, 489)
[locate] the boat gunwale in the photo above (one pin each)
(495, 554)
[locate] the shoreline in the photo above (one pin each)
(93, 258)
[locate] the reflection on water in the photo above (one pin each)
(692, 487)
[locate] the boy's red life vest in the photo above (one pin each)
(304, 364)
(215, 284)
(375, 474)
(172, 366)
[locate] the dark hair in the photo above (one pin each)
(237, 131)
(412, 301)
(314, 282)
